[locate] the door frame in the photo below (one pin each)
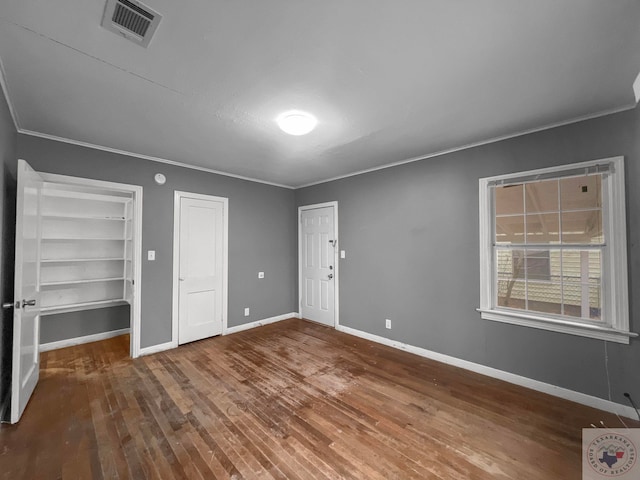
(136, 191)
(336, 262)
(175, 311)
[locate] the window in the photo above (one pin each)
(553, 252)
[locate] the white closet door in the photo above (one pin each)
(201, 272)
(26, 316)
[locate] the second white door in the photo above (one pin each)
(202, 269)
(318, 262)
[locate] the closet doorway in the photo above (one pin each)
(78, 248)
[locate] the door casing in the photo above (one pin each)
(336, 261)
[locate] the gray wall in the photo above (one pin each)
(262, 230)
(8, 164)
(411, 240)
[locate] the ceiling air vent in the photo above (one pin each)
(131, 19)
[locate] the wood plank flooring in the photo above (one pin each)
(291, 400)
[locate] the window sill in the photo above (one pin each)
(557, 325)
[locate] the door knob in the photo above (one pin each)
(28, 303)
(330, 276)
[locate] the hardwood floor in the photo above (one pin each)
(292, 400)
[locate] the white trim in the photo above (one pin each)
(161, 347)
(5, 89)
(336, 259)
(146, 157)
(614, 279)
(558, 325)
(175, 313)
(175, 292)
(136, 191)
(616, 161)
(70, 342)
(565, 393)
(500, 138)
(619, 301)
(486, 252)
(260, 323)
(136, 317)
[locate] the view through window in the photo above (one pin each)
(548, 240)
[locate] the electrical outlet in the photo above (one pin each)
(387, 323)
(246, 312)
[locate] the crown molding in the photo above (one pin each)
(520, 133)
(147, 157)
(5, 91)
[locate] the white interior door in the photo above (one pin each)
(26, 316)
(201, 266)
(318, 262)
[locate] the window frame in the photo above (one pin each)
(615, 290)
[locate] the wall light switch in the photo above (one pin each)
(343, 254)
(151, 255)
(260, 274)
(246, 312)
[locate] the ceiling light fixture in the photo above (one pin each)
(295, 122)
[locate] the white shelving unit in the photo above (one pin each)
(86, 252)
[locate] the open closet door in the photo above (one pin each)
(26, 314)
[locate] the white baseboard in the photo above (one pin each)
(543, 387)
(260, 323)
(246, 326)
(70, 342)
(161, 347)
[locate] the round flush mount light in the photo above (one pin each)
(296, 122)
(160, 179)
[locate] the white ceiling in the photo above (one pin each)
(389, 80)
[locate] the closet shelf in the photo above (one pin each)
(75, 260)
(81, 217)
(66, 239)
(76, 282)
(85, 241)
(84, 196)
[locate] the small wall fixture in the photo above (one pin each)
(160, 179)
(296, 122)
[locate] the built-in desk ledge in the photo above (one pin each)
(560, 325)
